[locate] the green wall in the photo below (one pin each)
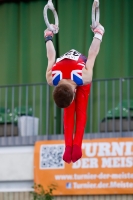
(22, 47)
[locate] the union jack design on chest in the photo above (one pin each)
(76, 76)
(68, 69)
(56, 76)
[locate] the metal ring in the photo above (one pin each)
(95, 13)
(50, 6)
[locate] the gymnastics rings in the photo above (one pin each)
(95, 13)
(50, 6)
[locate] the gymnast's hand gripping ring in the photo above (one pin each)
(95, 13)
(50, 6)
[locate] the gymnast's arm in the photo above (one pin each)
(94, 50)
(51, 54)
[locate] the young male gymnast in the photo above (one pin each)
(71, 74)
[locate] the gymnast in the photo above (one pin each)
(71, 75)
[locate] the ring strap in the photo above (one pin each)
(95, 13)
(50, 6)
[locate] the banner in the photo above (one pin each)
(106, 167)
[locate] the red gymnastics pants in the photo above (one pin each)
(75, 117)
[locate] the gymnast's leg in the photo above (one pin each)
(81, 103)
(68, 131)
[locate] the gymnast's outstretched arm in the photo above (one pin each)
(51, 54)
(93, 51)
